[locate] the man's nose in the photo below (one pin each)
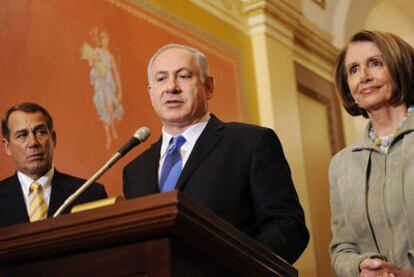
(32, 140)
(172, 85)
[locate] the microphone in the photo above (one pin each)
(140, 135)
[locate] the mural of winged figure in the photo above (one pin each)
(105, 79)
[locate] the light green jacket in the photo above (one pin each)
(372, 202)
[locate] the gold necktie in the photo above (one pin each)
(37, 203)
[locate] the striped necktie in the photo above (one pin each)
(172, 166)
(37, 203)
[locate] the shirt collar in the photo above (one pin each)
(191, 134)
(45, 181)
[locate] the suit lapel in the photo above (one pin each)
(13, 201)
(206, 143)
(61, 190)
(152, 176)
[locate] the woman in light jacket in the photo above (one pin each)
(372, 180)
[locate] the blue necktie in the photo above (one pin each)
(171, 169)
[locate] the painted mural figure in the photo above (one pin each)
(106, 81)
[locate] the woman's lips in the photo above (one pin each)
(367, 90)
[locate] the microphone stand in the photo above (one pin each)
(140, 136)
(91, 180)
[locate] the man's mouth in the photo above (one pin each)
(37, 156)
(173, 102)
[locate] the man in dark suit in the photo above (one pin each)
(29, 138)
(236, 170)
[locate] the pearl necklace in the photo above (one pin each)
(384, 142)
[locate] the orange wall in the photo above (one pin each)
(40, 61)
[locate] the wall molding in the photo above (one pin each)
(229, 11)
(323, 91)
(285, 23)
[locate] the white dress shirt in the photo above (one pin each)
(191, 135)
(45, 181)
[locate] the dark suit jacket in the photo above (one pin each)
(239, 172)
(13, 208)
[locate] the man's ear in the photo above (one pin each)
(54, 138)
(210, 87)
(6, 144)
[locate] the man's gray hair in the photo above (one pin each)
(200, 57)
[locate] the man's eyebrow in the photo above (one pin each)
(175, 71)
(36, 127)
(161, 72)
(39, 126)
(23, 130)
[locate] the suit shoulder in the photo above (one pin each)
(70, 179)
(249, 131)
(7, 179)
(245, 127)
(7, 183)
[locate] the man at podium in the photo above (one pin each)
(236, 170)
(37, 189)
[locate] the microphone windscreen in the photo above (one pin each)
(142, 134)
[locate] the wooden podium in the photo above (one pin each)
(165, 234)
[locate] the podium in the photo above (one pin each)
(166, 234)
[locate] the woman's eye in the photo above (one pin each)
(353, 70)
(376, 63)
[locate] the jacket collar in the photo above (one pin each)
(365, 143)
(61, 190)
(207, 141)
